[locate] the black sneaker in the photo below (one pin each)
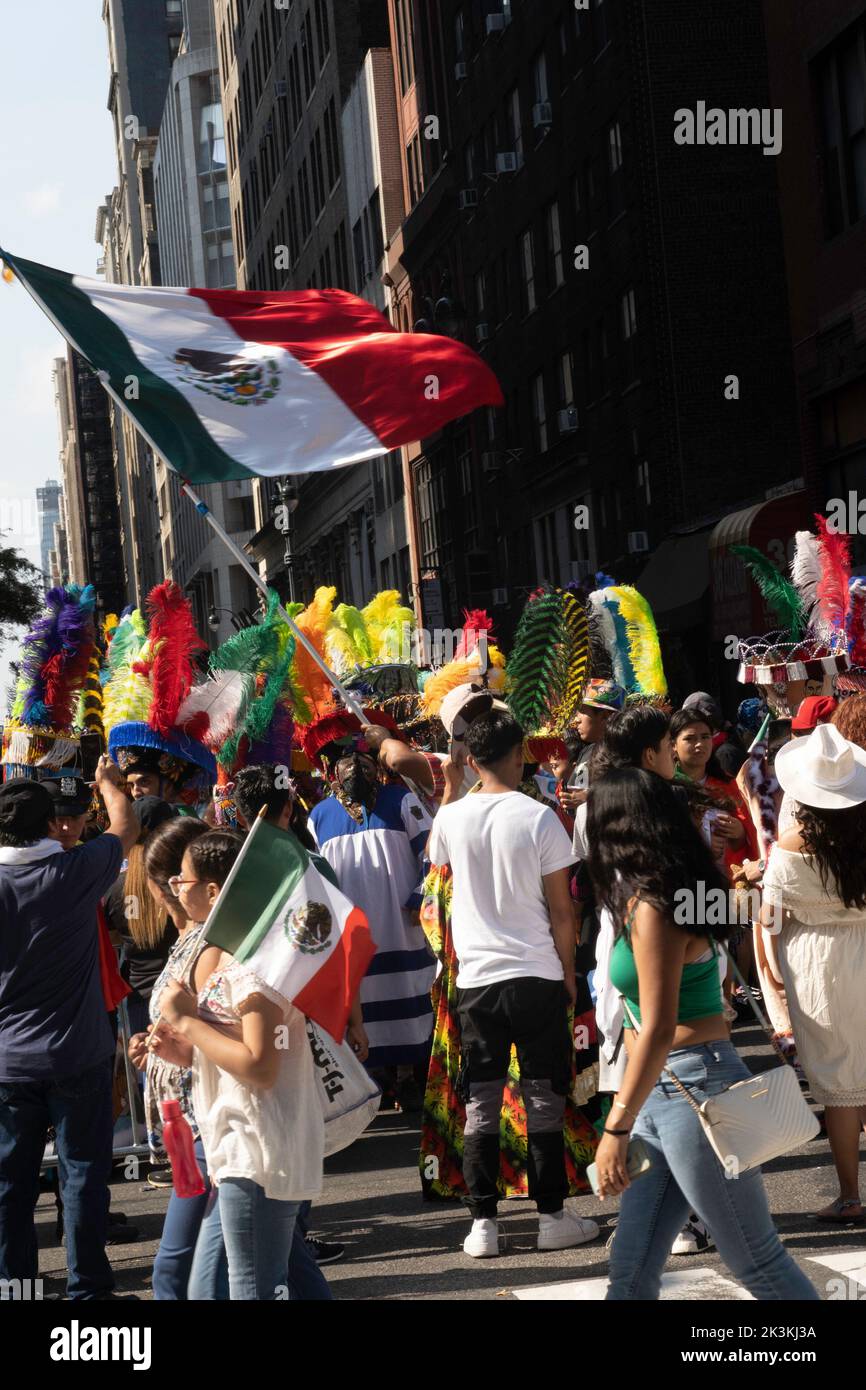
(159, 1176)
(410, 1097)
(324, 1252)
(693, 1239)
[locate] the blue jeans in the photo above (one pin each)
(305, 1282)
(249, 1232)
(687, 1176)
(183, 1219)
(79, 1107)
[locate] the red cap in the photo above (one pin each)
(814, 710)
(170, 1109)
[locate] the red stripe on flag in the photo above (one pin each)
(382, 375)
(327, 998)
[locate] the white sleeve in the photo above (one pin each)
(554, 849)
(579, 842)
(437, 847)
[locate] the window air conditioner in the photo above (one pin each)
(568, 420)
(506, 163)
(638, 542)
(468, 198)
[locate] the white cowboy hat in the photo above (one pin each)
(823, 770)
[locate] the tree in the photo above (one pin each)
(21, 591)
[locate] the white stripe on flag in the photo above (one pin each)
(388, 1032)
(401, 984)
(306, 421)
(275, 956)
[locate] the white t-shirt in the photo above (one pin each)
(499, 846)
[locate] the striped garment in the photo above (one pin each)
(380, 865)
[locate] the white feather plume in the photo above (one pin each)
(604, 623)
(224, 698)
(806, 574)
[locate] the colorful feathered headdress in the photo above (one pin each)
(150, 675)
(55, 658)
(477, 661)
(550, 662)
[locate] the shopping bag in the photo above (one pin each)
(348, 1095)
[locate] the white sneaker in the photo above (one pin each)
(483, 1240)
(560, 1230)
(693, 1239)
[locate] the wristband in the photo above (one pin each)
(618, 1132)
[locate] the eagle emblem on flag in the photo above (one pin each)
(309, 928)
(233, 378)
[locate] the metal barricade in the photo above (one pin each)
(139, 1146)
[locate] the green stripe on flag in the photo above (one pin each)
(164, 415)
(263, 878)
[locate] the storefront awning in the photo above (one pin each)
(769, 527)
(676, 580)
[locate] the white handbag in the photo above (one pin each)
(756, 1119)
(348, 1095)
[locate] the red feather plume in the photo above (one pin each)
(174, 643)
(475, 621)
(857, 625)
(834, 598)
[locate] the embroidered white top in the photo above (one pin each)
(274, 1137)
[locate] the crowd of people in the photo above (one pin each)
(536, 992)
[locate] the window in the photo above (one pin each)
(480, 294)
(318, 172)
(527, 260)
(306, 218)
(539, 76)
(629, 315)
(341, 257)
(416, 174)
(841, 84)
(514, 124)
(376, 234)
(295, 88)
(566, 380)
(539, 412)
(332, 144)
(469, 163)
(405, 43)
(173, 7)
(459, 35)
(308, 56)
(554, 248)
(614, 147)
(600, 35)
(468, 494)
(323, 33)
(359, 241)
(294, 241)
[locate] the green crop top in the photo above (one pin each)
(700, 988)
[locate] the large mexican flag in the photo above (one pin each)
(278, 915)
(238, 384)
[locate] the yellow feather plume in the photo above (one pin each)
(463, 671)
(385, 618)
(643, 640)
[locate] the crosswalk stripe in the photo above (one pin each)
(692, 1285)
(851, 1263)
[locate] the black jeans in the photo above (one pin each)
(80, 1109)
(533, 1015)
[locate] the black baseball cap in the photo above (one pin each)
(25, 808)
(70, 795)
(152, 811)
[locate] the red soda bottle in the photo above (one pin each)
(178, 1141)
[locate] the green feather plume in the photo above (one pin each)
(643, 641)
(776, 589)
(537, 668)
(576, 626)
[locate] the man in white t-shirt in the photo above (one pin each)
(513, 928)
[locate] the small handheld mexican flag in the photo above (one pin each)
(279, 916)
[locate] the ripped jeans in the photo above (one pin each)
(533, 1015)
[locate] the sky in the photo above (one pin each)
(56, 167)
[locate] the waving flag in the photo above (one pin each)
(292, 928)
(240, 383)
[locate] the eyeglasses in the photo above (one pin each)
(175, 883)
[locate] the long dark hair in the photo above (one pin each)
(836, 839)
(627, 736)
(643, 845)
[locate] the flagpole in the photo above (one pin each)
(205, 511)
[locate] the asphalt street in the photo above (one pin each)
(400, 1247)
